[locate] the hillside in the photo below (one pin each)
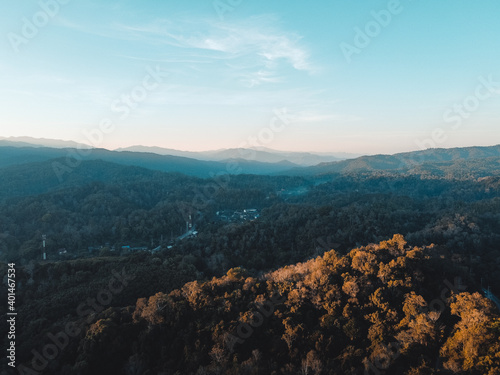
(404, 162)
(40, 177)
(472, 162)
(190, 294)
(382, 308)
(40, 142)
(248, 154)
(12, 156)
(260, 155)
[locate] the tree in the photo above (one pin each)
(472, 334)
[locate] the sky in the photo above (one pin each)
(326, 76)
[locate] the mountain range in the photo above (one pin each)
(263, 155)
(10, 156)
(480, 161)
(40, 142)
(35, 170)
(260, 154)
(402, 162)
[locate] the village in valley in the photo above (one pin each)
(238, 216)
(225, 216)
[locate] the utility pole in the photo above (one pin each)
(44, 254)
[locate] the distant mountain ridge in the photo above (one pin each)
(40, 142)
(246, 161)
(250, 154)
(400, 162)
(11, 156)
(257, 154)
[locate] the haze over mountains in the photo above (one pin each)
(405, 161)
(65, 154)
(264, 155)
(26, 170)
(258, 154)
(39, 142)
(10, 156)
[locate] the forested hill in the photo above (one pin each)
(68, 158)
(384, 308)
(40, 177)
(456, 163)
(441, 160)
(24, 171)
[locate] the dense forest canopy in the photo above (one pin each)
(382, 308)
(201, 259)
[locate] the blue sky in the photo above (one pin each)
(362, 77)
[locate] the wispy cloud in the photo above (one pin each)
(255, 51)
(309, 116)
(258, 78)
